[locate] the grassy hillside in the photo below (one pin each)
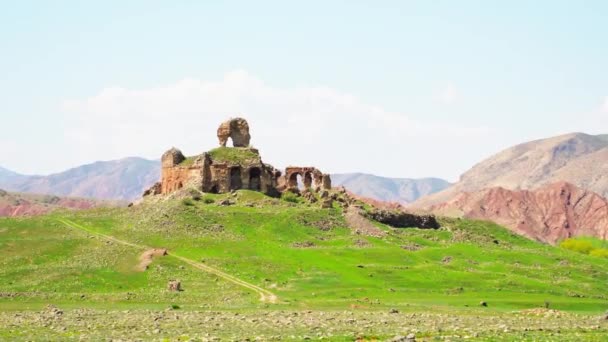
(304, 255)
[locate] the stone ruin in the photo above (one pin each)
(225, 169)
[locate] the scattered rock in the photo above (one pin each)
(362, 243)
(52, 310)
(446, 260)
(155, 189)
(327, 203)
(174, 286)
(400, 219)
(484, 304)
(413, 247)
(305, 244)
(226, 202)
(394, 311)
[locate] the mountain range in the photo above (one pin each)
(578, 158)
(545, 189)
(399, 190)
(126, 179)
(548, 214)
(20, 204)
(123, 179)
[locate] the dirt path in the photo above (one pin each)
(265, 295)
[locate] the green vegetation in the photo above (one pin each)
(189, 161)
(304, 255)
(586, 245)
(291, 197)
(234, 155)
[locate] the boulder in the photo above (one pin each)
(174, 286)
(155, 189)
(400, 219)
(237, 129)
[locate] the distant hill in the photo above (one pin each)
(548, 214)
(19, 204)
(400, 190)
(577, 158)
(126, 179)
(123, 179)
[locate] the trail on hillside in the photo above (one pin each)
(265, 295)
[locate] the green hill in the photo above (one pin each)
(264, 258)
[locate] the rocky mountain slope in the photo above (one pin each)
(19, 204)
(577, 158)
(123, 179)
(399, 190)
(548, 214)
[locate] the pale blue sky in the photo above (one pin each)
(481, 75)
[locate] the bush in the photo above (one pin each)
(289, 196)
(187, 202)
(208, 200)
(600, 252)
(580, 246)
(195, 194)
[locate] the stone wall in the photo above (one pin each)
(311, 178)
(230, 171)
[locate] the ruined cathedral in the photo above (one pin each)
(224, 169)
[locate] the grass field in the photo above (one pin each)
(303, 255)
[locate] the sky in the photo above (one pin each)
(394, 88)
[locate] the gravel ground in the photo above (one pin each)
(177, 325)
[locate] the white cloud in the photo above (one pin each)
(310, 125)
(449, 95)
(605, 105)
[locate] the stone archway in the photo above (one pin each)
(235, 178)
(292, 182)
(255, 180)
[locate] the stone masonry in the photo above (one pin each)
(225, 169)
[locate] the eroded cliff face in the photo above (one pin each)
(548, 214)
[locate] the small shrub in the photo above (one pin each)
(196, 197)
(187, 202)
(208, 200)
(289, 196)
(600, 252)
(175, 307)
(579, 246)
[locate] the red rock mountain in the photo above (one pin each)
(577, 158)
(549, 214)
